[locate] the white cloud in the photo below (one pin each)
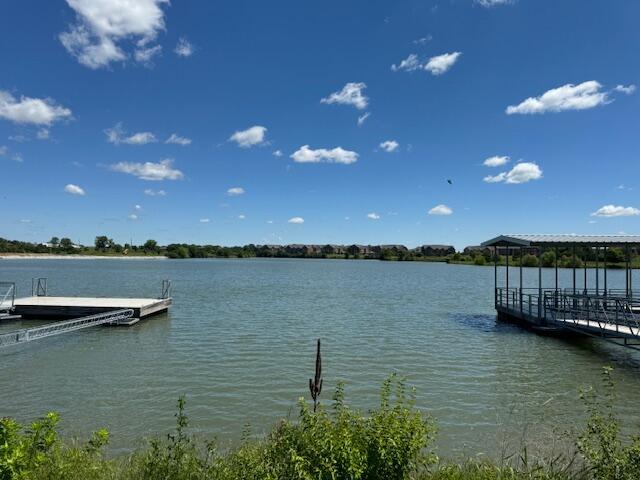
(133, 216)
(37, 111)
(336, 155)
(520, 173)
(162, 170)
(137, 207)
(184, 48)
(567, 97)
(235, 191)
(441, 209)
(629, 89)
(241, 216)
(362, 118)
(117, 135)
(389, 146)
(269, 222)
(351, 94)
(141, 138)
(616, 211)
(493, 3)
(409, 64)
(178, 140)
(205, 220)
(373, 216)
(155, 193)
(249, 137)
(496, 161)
(277, 153)
(146, 55)
(74, 189)
(296, 220)
(43, 134)
(423, 40)
(3, 150)
(442, 63)
(101, 24)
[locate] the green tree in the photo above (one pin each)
(102, 242)
(55, 241)
(529, 261)
(615, 255)
(66, 244)
(548, 258)
(150, 246)
(479, 260)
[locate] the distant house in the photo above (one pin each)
(270, 250)
(362, 250)
(475, 249)
(437, 250)
(395, 248)
(333, 249)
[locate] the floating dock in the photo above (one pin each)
(603, 312)
(41, 307)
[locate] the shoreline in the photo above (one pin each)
(71, 256)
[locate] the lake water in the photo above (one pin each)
(239, 342)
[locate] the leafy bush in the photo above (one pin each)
(392, 442)
(529, 261)
(341, 443)
(479, 260)
(606, 455)
(548, 258)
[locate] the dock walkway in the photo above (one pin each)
(71, 307)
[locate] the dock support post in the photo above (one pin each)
(573, 264)
(520, 296)
(555, 254)
(626, 271)
(586, 255)
(604, 262)
(495, 275)
(597, 271)
(507, 279)
(540, 252)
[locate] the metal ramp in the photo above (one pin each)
(612, 318)
(58, 328)
(7, 300)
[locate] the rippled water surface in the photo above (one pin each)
(239, 342)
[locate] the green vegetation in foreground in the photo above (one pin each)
(394, 441)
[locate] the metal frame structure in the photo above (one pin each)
(612, 314)
(7, 299)
(57, 328)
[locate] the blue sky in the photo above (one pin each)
(263, 100)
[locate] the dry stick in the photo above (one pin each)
(315, 385)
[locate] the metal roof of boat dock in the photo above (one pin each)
(532, 240)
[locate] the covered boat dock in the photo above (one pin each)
(587, 304)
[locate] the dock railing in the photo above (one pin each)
(7, 296)
(609, 313)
